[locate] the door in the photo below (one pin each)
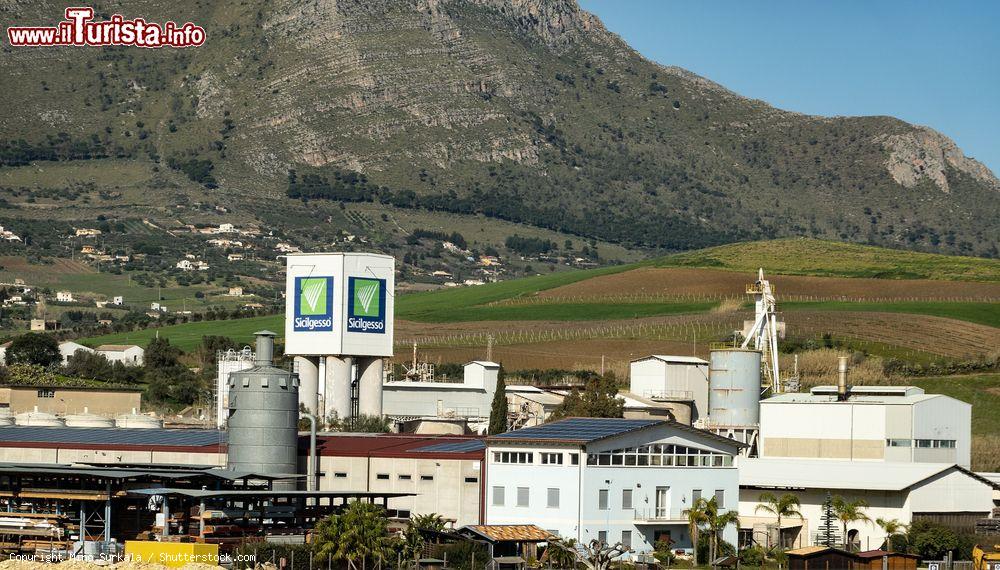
(662, 502)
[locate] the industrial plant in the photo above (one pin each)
(724, 431)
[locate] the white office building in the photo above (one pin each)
(613, 480)
(872, 423)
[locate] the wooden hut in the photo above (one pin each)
(823, 558)
(882, 560)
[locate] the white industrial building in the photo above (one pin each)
(470, 399)
(868, 423)
(672, 378)
(902, 491)
(614, 480)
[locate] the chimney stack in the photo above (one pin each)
(842, 391)
(265, 348)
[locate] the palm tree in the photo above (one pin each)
(359, 533)
(848, 512)
(891, 527)
(781, 507)
(696, 517)
(716, 523)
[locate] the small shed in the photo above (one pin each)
(823, 558)
(510, 545)
(884, 560)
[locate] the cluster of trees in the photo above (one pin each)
(342, 186)
(61, 146)
(454, 237)
(597, 399)
(198, 170)
(530, 245)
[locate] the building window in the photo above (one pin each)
(574, 458)
(522, 496)
(471, 479)
(602, 499)
(947, 443)
(382, 476)
(695, 495)
(426, 477)
(498, 496)
(553, 499)
(720, 498)
(405, 477)
(897, 442)
(923, 443)
(340, 475)
(626, 498)
(661, 455)
(45, 393)
(513, 457)
(552, 458)
(627, 539)
(602, 536)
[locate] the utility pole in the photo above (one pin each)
(489, 347)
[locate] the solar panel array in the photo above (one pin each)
(455, 446)
(112, 436)
(578, 429)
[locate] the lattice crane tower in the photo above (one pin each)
(764, 333)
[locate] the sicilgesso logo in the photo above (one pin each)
(313, 304)
(366, 308)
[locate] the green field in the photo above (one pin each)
(804, 256)
(187, 336)
(973, 312)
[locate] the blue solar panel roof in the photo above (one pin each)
(112, 436)
(578, 429)
(455, 446)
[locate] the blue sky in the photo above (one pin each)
(929, 63)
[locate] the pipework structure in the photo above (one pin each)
(763, 335)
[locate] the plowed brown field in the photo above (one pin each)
(667, 282)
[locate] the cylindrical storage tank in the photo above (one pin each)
(338, 386)
(88, 420)
(307, 367)
(370, 371)
(734, 387)
(138, 421)
(264, 417)
(37, 418)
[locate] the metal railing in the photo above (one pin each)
(668, 394)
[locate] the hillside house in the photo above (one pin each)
(129, 354)
(88, 250)
(235, 257)
(69, 348)
(64, 296)
(87, 232)
(118, 300)
(235, 291)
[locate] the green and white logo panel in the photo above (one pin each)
(366, 305)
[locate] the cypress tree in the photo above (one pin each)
(498, 410)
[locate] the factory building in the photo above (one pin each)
(470, 399)
(614, 480)
(942, 492)
(61, 399)
(443, 474)
(682, 380)
(867, 423)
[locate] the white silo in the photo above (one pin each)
(40, 419)
(138, 421)
(86, 419)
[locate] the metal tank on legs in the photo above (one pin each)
(734, 383)
(264, 416)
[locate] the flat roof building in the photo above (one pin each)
(665, 378)
(873, 423)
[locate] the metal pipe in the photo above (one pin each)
(311, 470)
(842, 367)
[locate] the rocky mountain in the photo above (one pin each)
(522, 110)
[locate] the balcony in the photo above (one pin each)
(659, 516)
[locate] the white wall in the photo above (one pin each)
(69, 348)
(652, 376)
(944, 418)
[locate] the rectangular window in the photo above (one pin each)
(602, 499)
(602, 536)
(695, 495)
(627, 539)
(522, 496)
(513, 457)
(552, 458)
(626, 498)
(382, 476)
(897, 442)
(923, 443)
(498, 498)
(340, 475)
(471, 480)
(405, 477)
(574, 458)
(720, 498)
(46, 393)
(426, 477)
(553, 499)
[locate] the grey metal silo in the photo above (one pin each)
(264, 416)
(734, 387)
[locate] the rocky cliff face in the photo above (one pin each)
(528, 110)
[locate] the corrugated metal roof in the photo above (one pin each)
(511, 532)
(582, 430)
(390, 445)
(112, 436)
